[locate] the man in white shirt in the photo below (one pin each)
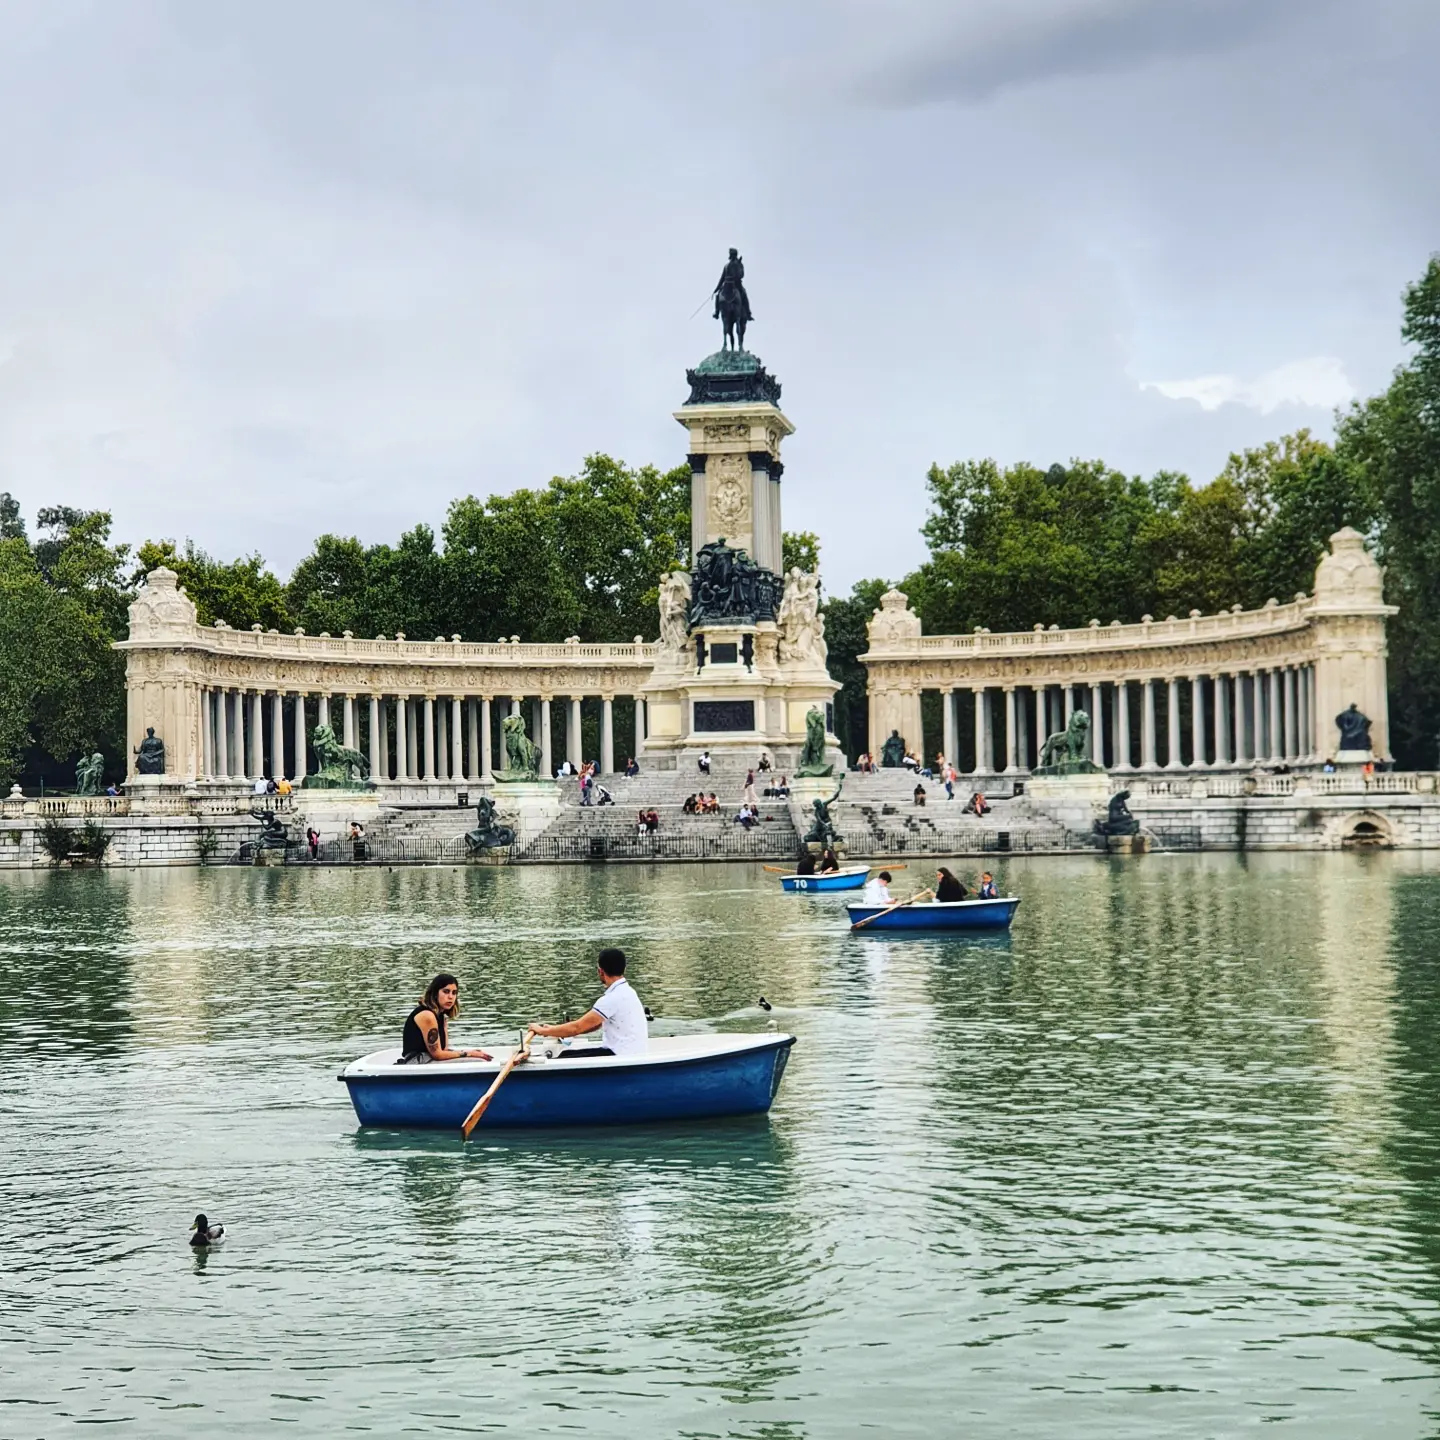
(618, 1014)
(877, 890)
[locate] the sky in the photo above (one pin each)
(273, 269)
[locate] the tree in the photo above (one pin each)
(1393, 442)
(846, 639)
(12, 526)
(240, 592)
(802, 548)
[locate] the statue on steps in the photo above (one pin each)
(892, 752)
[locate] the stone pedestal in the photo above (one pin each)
(529, 806)
(1126, 844)
(1076, 801)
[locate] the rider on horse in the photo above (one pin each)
(732, 278)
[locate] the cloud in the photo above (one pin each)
(1319, 382)
(995, 47)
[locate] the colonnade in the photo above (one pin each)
(421, 739)
(1243, 717)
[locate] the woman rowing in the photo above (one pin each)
(948, 890)
(426, 1035)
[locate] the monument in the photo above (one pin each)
(741, 660)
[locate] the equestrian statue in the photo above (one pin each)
(732, 304)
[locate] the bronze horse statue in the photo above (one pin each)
(734, 314)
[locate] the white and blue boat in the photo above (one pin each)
(936, 915)
(850, 878)
(680, 1077)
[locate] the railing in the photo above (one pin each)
(273, 644)
(1197, 785)
(1227, 625)
(726, 845)
(891, 840)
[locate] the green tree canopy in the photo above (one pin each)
(240, 592)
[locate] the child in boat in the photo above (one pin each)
(987, 887)
(877, 890)
(426, 1036)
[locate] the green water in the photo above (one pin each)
(1163, 1162)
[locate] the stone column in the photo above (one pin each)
(429, 738)
(323, 708)
(1292, 714)
(207, 736)
(1172, 723)
(982, 739)
(1197, 721)
(457, 741)
(535, 722)
(1224, 752)
(514, 704)
(442, 740)
(574, 750)
(472, 736)
(1024, 719)
(947, 708)
(347, 722)
(547, 769)
(1069, 693)
(301, 757)
(402, 749)
(607, 734)
(379, 766)
(257, 735)
(639, 724)
(487, 763)
(1148, 758)
(1312, 746)
(1122, 725)
(1012, 759)
(222, 735)
(1273, 733)
(277, 735)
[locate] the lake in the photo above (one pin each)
(1163, 1161)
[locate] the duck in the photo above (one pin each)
(649, 1015)
(205, 1234)
(765, 1004)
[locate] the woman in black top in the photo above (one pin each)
(829, 861)
(947, 888)
(426, 1034)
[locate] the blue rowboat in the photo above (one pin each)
(681, 1077)
(851, 878)
(933, 915)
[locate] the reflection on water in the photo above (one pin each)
(1161, 1161)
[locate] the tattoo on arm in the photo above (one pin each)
(430, 1029)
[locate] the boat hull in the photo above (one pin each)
(819, 884)
(962, 915)
(575, 1092)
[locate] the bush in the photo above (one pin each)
(207, 844)
(57, 840)
(94, 840)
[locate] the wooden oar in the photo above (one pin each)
(522, 1052)
(779, 871)
(899, 904)
(888, 867)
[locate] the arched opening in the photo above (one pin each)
(1367, 832)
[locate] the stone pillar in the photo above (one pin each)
(257, 735)
(639, 724)
(472, 737)
(402, 749)
(428, 740)
(547, 769)
(323, 708)
(222, 735)
(1307, 712)
(982, 739)
(379, 767)
(514, 704)
(607, 734)
(1069, 693)
(240, 770)
(947, 707)
(1122, 725)
(277, 735)
(574, 750)
(487, 763)
(1224, 752)
(207, 736)
(535, 708)
(1012, 759)
(412, 737)
(1024, 719)
(301, 756)
(1292, 713)
(1172, 723)
(1148, 758)
(442, 740)
(347, 721)
(457, 741)
(1199, 753)
(1272, 729)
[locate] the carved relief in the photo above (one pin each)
(730, 496)
(727, 430)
